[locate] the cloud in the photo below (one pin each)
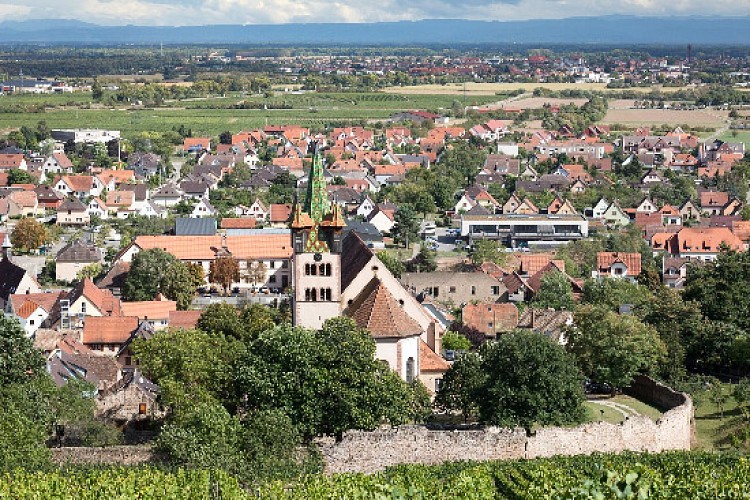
(197, 12)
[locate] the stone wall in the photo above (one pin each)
(119, 455)
(373, 451)
(369, 452)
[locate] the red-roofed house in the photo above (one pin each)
(490, 318)
(618, 265)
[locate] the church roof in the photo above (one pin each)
(376, 310)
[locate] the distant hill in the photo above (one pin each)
(617, 30)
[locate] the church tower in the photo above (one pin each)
(317, 234)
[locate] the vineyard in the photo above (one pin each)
(662, 476)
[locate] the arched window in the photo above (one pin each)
(307, 269)
(307, 294)
(313, 295)
(313, 269)
(328, 269)
(410, 370)
(323, 270)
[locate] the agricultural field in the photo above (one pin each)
(211, 116)
(539, 102)
(711, 118)
(493, 88)
(629, 475)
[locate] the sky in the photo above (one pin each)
(202, 12)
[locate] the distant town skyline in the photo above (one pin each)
(194, 12)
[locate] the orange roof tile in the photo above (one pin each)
(184, 319)
(27, 309)
(631, 260)
(280, 212)
(149, 309)
(108, 329)
(238, 223)
(534, 262)
(429, 361)
(256, 246)
(703, 240)
(377, 311)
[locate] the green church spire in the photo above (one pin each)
(317, 205)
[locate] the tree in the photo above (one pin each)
(555, 292)
(256, 271)
(222, 319)
(406, 226)
(189, 365)
(612, 348)
(96, 90)
(91, 271)
(18, 176)
(487, 251)
(197, 273)
(421, 405)
(677, 322)
(29, 234)
(178, 284)
(454, 341)
(460, 383)
(614, 293)
(225, 137)
(718, 288)
(147, 271)
(155, 271)
(394, 265)
(19, 361)
(224, 271)
(528, 379)
(423, 262)
(327, 381)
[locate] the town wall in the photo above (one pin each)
(370, 452)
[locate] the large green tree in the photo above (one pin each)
(613, 348)
(555, 292)
(156, 271)
(720, 287)
(326, 380)
(459, 386)
(528, 379)
(406, 226)
(487, 251)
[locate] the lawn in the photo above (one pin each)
(736, 136)
(600, 413)
(712, 431)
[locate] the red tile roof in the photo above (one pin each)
(281, 212)
(429, 361)
(149, 309)
(703, 240)
(256, 246)
(238, 223)
(184, 319)
(377, 311)
(502, 317)
(632, 261)
(108, 329)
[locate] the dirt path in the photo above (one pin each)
(623, 409)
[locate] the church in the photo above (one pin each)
(335, 275)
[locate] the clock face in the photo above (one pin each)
(318, 257)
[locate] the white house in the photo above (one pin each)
(203, 209)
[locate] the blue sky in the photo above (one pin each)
(197, 12)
